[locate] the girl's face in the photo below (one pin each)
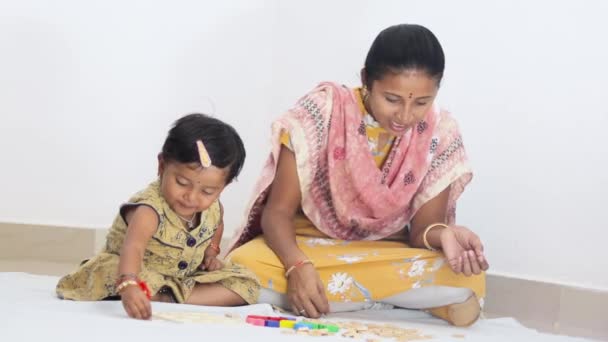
(189, 188)
(399, 101)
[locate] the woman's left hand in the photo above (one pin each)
(463, 250)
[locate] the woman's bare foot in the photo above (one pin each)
(461, 314)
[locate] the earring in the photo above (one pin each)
(364, 93)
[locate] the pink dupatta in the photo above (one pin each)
(344, 193)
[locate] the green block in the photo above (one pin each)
(313, 325)
(331, 328)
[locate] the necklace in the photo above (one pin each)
(190, 222)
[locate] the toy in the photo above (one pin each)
(289, 323)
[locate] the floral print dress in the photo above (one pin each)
(356, 271)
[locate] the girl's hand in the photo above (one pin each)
(135, 302)
(211, 262)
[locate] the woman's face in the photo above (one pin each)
(400, 100)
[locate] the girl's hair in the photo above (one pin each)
(402, 47)
(221, 140)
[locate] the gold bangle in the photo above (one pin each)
(215, 247)
(431, 226)
(297, 264)
(124, 284)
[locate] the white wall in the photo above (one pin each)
(87, 93)
(89, 90)
(524, 80)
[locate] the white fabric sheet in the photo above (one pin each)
(30, 311)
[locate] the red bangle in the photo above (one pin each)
(144, 287)
(215, 247)
(139, 283)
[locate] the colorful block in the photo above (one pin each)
(272, 323)
(255, 321)
(287, 323)
(313, 325)
(300, 325)
(331, 328)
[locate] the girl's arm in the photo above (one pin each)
(216, 240)
(142, 222)
(210, 261)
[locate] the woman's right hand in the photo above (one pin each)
(306, 292)
(135, 302)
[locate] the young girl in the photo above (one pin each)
(164, 242)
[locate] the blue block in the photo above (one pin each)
(302, 325)
(272, 324)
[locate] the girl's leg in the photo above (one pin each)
(164, 295)
(214, 294)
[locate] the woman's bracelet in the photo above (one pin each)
(296, 265)
(431, 226)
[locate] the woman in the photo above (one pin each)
(356, 204)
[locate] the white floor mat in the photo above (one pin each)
(30, 311)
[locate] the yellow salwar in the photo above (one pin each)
(357, 271)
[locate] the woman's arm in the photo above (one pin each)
(433, 211)
(462, 248)
(305, 290)
(281, 207)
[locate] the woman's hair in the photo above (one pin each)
(402, 47)
(221, 140)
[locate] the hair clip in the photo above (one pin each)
(203, 154)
